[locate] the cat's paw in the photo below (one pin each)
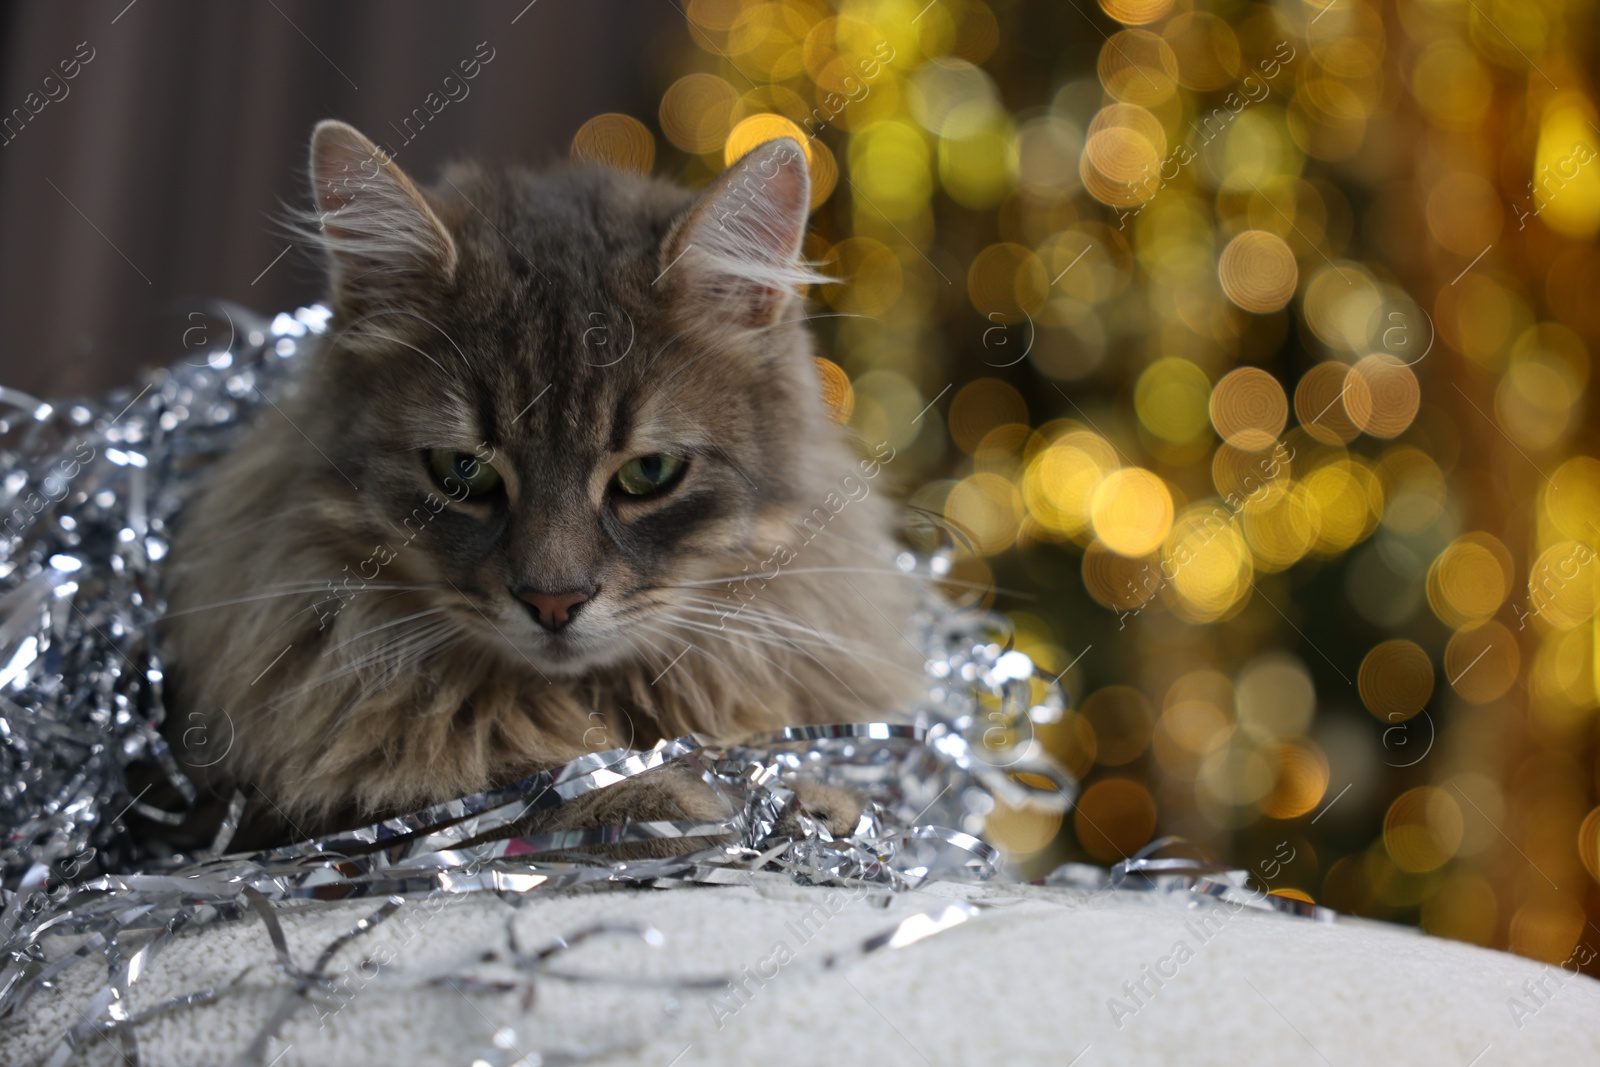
(838, 809)
(672, 793)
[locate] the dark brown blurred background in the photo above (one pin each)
(154, 179)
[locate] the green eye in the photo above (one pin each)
(645, 475)
(462, 475)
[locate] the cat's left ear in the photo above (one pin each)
(737, 252)
(376, 225)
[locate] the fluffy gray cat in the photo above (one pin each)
(560, 478)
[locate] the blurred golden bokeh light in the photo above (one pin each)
(1131, 510)
(1302, 780)
(1248, 408)
(1469, 580)
(697, 112)
(1059, 486)
(1423, 829)
(1209, 563)
(1482, 661)
(836, 390)
(1381, 395)
(757, 130)
(618, 140)
(1396, 680)
(1136, 12)
(1114, 818)
(1319, 403)
(1171, 398)
(1244, 352)
(1258, 271)
(1117, 165)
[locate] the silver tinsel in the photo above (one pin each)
(89, 492)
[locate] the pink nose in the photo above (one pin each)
(552, 610)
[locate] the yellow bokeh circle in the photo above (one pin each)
(1258, 271)
(1170, 399)
(697, 111)
(1248, 408)
(616, 140)
(1135, 12)
(1319, 403)
(1207, 563)
(1423, 829)
(836, 391)
(1382, 395)
(1060, 481)
(757, 130)
(1562, 584)
(1348, 501)
(1302, 780)
(1482, 662)
(1131, 510)
(1395, 680)
(1470, 579)
(1114, 818)
(986, 509)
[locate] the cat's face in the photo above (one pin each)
(557, 401)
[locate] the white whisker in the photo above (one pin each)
(300, 589)
(772, 661)
(353, 638)
(773, 641)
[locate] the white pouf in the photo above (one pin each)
(1036, 975)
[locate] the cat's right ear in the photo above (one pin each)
(382, 237)
(737, 252)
